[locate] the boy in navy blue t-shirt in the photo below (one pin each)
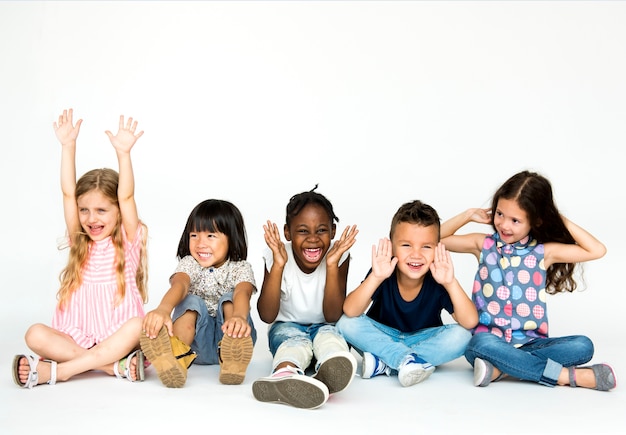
(410, 282)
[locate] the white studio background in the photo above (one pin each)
(378, 102)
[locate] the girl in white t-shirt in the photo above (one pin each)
(302, 297)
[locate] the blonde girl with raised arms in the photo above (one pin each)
(97, 321)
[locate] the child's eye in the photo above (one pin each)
(192, 236)
(322, 231)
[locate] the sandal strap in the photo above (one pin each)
(572, 376)
(53, 371)
(126, 364)
(116, 370)
(33, 375)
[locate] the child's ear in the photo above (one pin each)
(287, 233)
(333, 231)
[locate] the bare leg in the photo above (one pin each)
(185, 327)
(73, 359)
(584, 377)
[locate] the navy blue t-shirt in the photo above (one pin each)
(424, 311)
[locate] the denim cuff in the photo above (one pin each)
(551, 373)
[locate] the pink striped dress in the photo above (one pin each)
(90, 316)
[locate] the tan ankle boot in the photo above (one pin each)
(182, 352)
(169, 356)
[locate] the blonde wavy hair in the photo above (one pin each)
(106, 181)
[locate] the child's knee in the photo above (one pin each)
(35, 334)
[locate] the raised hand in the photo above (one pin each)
(125, 138)
(383, 262)
(481, 215)
(442, 267)
(272, 238)
(345, 242)
(65, 130)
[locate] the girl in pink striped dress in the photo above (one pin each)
(97, 322)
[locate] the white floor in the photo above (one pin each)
(446, 403)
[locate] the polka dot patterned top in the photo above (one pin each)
(509, 290)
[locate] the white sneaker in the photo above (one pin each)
(414, 370)
(289, 386)
(373, 366)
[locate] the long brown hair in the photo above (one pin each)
(533, 194)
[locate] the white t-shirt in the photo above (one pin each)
(301, 294)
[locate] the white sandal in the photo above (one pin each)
(33, 375)
(139, 370)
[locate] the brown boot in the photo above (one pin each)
(170, 357)
(234, 355)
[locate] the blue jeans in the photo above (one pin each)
(436, 345)
(539, 360)
(208, 328)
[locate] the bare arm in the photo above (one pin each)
(467, 243)
(155, 319)
(268, 303)
(337, 276)
(67, 133)
(236, 323)
(383, 265)
(123, 142)
(587, 247)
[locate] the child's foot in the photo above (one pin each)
(414, 370)
(373, 366)
(234, 355)
(336, 371)
(483, 372)
(130, 367)
(290, 387)
(29, 371)
(598, 376)
(171, 370)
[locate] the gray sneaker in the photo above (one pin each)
(483, 372)
(337, 371)
(290, 387)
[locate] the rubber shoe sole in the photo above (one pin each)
(159, 352)
(337, 372)
(414, 375)
(483, 372)
(298, 391)
(235, 355)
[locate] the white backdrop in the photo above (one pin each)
(378, 102)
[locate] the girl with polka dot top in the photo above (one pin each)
(532, 253)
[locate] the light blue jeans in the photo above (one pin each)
(539, 360)
(298, 344)
(208, 328)
(436, 345)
